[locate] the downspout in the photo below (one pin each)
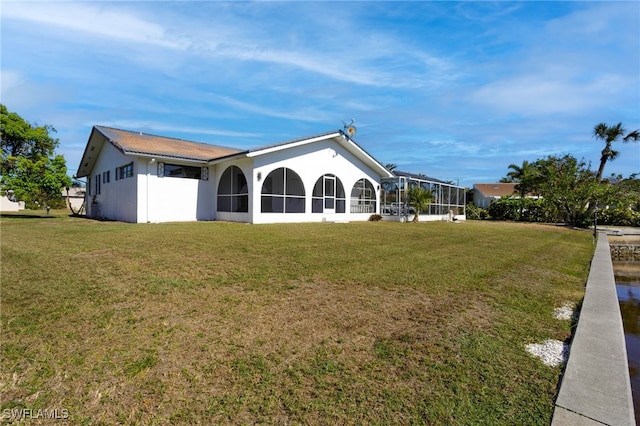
(153, 160)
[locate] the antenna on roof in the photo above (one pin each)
(350, 129)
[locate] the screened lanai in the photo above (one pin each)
(448, 201)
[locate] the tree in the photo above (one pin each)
(610, 134)
(526, 177)
(418, 198)
(21, 139)
(28, 166)
(569, 187)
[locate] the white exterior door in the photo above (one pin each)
(329, 194)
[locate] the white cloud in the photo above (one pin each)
(371, 59)
(448, 146)
(94, 20)
(303, 113)
(552, 91)
(20, 92)
(165, 128)
(10, 79)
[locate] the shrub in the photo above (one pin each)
(619, 216)
(527, 210)
(375, 218)
(475, 212)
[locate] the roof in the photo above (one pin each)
(298, 141)
(147, 145)
(142, 144)
(417, 176)
(496, 189)
(339, 137)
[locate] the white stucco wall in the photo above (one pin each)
(310, 162)
(6, 205)
(118, 198)
(146, 197)
(483, 201)
(173, 199)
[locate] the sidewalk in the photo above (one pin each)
(596, 387)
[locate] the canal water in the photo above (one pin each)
(627, 275)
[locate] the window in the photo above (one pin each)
(328, 195)
(88, 185)
(97, 184)
(106, 176)
(283, 192)
(179, 171)
(125, 171)
(363, 197)
(232, 191)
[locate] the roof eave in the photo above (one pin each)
(291, 144)
(217, 160)
(163, 156)
(366, 157)
(83, 171)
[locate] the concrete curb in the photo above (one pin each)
(596, 387)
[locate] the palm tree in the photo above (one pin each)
(418, 198)
(610, 134)
(526, 177)
(390, 166)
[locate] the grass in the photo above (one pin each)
(213, 322)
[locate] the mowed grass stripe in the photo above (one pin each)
(217, 322)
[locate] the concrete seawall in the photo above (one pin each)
(596, 388)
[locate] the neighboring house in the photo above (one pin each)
(137, 177)
(8, 205)
(75, 197)
(484, 194)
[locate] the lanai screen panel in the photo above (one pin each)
(283, 192)
(446, 197)
(233, 194)
(363, 197)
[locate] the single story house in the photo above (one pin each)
(10, 205)
(484, 194)
(75, 197)
(138, 177)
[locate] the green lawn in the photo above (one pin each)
(211, 322)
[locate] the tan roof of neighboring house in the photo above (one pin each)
(496, 189)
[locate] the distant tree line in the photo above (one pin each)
(565, 189)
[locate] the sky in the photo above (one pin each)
(457, 91)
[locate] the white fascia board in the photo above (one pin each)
(280, 147)
(227, 158)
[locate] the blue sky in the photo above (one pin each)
(457, 91)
